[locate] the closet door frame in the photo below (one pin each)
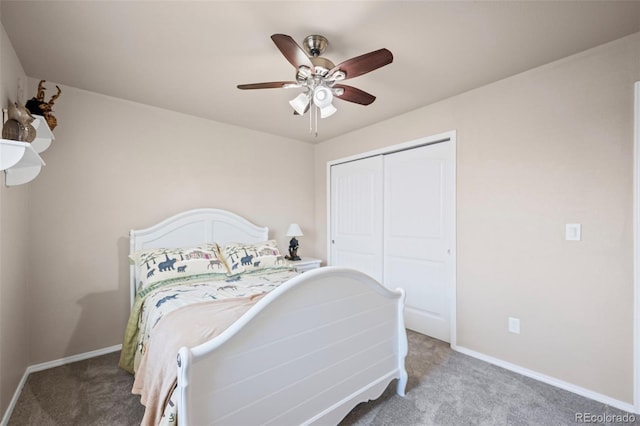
(449, 137)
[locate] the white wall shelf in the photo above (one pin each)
(44, 135)
(21, 160)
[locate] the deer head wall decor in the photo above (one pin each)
(38, 106)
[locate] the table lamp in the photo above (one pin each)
(293, 232)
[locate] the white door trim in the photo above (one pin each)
(441, 137)
(636, 251)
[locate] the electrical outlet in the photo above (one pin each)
(514, 325)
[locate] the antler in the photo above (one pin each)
(41, 90)
(54, 97)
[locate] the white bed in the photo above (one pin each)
(306, 353)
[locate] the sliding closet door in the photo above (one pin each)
(356, 215)
(418, 223)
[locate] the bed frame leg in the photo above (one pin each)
(402, 383)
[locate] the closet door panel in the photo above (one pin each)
(413, 205)
(356, 215)
(415, 235)
(428, 299)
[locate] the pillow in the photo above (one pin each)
(163, 264)
(241, 257)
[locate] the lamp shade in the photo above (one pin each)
(294, 230)
(327, 111)
(299, 103)
(322, 96)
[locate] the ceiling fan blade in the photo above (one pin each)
(355, 95)
(292, 51)
(363, 64)
(271, 85)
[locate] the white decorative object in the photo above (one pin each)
(308, 352)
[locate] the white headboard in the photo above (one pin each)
(192, 228)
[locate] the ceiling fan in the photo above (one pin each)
(319, 77)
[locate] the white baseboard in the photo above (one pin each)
(72, 358)
(51, 364)
(626, 406)
(14, 400)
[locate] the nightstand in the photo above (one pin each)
(306, 264)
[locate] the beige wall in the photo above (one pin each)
(14, 336)
(551, 146)
(117, 165)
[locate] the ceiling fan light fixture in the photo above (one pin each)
(299, 103)
(304, 72)
(337, 76)
(322, 96)
(327, 111)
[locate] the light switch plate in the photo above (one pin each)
(514, 325)
(573, 232)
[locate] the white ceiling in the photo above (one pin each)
(188, 56)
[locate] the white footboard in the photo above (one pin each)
(307, 353)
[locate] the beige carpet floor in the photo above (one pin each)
(444, 388)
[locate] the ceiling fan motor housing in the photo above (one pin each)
(321, 65)
(315, 44)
